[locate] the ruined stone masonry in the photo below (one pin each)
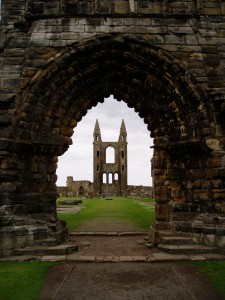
(165, 59)
(110, 178)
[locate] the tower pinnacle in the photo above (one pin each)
(97, 125)
(97, 132)
(123, 132)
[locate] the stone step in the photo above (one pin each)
(62, 249)
(186, 249)
(176, 240)
(47, 242)
(107, 233)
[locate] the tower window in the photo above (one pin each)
(123, 138)
(122, 154)
(116, 177)
(97, 138)
(123, 168)
(110, 176)
(98, 153)
(110, 155)
(97, 167)
(104, 178)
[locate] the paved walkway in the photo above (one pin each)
(125, 281)
(116, 265)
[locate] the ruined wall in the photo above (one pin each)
(73, 189)
(110, 177)
(165, 59)
(139, 191)
(79, 187)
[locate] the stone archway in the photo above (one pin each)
(149, 80)
(81, 191)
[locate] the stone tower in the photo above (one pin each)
(110, 178)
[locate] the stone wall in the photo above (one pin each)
(17, 9)
(139, 191)
(75, 188)
(165, 59)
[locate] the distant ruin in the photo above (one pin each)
(110, 178)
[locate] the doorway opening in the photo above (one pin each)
(109, 115)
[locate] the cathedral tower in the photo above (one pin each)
(110, 177)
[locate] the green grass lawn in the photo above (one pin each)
(22, 281)
(215, 270)
(137, 212)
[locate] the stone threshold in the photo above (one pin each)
(107, 233)
(152, 258)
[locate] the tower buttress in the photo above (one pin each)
(123, 157)
(97, 180)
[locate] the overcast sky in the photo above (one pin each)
(78, 160)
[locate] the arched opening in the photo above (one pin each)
(78, 160)
(81, 191)
(110, 155)
(156, 85)
(104, 178)
(116, 176)
(110, 178)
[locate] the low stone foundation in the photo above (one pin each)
(33, 233)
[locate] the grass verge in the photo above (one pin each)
(215, 270)
(22, 281)
(118, 208)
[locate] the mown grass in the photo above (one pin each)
(118, 208)
(22, 281)
(215, 271)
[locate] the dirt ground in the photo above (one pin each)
(130, 245)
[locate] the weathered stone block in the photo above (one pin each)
(121, 7)
(7, 242)
(162, 212)
(217, 183)
(209, 230)
(161, 198)
(158, 171)
(38, 178)
(146, 7)
(220, 241)
(218, 194)
(211, 60)
(159, 190)
(209, 239)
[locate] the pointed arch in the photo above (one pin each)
(147, 78)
